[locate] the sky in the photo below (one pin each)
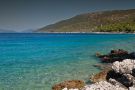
(22, 15)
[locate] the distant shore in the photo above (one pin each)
(91, 32)
(73, 32)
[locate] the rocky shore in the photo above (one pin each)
(117, 74)
(121, 77)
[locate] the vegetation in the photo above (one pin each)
(107, 21)
(118, 27)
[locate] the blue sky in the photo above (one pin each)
(32, 14)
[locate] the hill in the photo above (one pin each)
(106, 21)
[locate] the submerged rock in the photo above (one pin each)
(132, 55)
(72, 84)
(99, 77)
(115, 55)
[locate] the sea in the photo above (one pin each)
(37, 61)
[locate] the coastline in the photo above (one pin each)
(86, 32)
(115, 73)
(70, 32)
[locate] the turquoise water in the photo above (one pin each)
(38, 61)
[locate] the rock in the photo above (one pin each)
(98, 54)
(114, 55)
(131, 88)
(131, 78)
(120, 77)
(124, 67)
(69, 89)
(132, 55)
(112, 74)
(64, 89)
(133, 72)
(103, 85)
(101, 76)
(118, 53)
(125, 81)
(116, 83)
(72, 84)
(113, 51)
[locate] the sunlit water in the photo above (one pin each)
(38, 61)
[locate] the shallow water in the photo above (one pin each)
(38, 61)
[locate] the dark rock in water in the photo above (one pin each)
(111, 59)
(132, 55)
(69, 85)
(118, 52)
(115, 55)
(113, 51)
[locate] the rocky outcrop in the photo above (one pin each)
(116, 83)
(103, 85)
(70, 85)
(124, 67)
(116, 55)
(121, 76)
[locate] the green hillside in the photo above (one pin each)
(106, 21)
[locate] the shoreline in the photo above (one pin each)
(87, 32)
(115, 73)
(69, 32)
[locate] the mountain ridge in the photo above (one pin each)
(103, 21)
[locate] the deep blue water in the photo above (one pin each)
(38, 61)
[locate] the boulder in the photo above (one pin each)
(132, 55)
(121, 72)
(126, 66)
(103, 85)
(71, 84)
(116, 83)
(101, 76)
(114, 55)
(131, 88)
